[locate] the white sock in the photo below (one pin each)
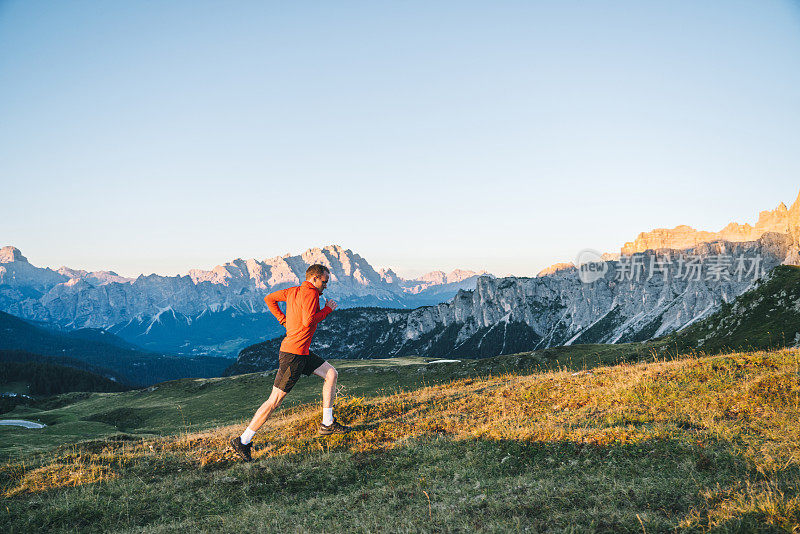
(327, 416)
(247, 435)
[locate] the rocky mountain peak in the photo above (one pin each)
(555, 268)
(10, 254)
(456, 275)
(435, 277)
(780, 220)
(793, 217)
(338, 250)
(459, 275)
(388, 276)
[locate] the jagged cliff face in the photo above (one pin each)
(793, 218)
(780, 220)
(560, 309)
(507, 315)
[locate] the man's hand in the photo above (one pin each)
(331, 304)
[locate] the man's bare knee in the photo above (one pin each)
(332, 375)
(276, 398)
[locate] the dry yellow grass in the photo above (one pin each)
(59, 475)
(754, 396)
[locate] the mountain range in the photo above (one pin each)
(221, 311)
(214, 312)
(560, 307)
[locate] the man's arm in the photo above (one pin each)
(309, 315)
(272, 301)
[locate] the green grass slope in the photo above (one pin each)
(185, 405)
(693, 444)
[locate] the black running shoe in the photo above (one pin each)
(333, 428)
(242, 450)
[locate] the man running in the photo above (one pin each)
(295, 359)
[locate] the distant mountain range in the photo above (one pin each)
(205, 312)
(673, 289)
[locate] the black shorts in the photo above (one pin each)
(291, 366)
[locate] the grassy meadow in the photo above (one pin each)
(536, 442)
(186, 405)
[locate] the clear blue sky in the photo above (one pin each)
(162, 136)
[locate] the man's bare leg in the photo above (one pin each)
(330, 375)
(263, 412)
(329, 424)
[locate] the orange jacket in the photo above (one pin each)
(302, 315)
